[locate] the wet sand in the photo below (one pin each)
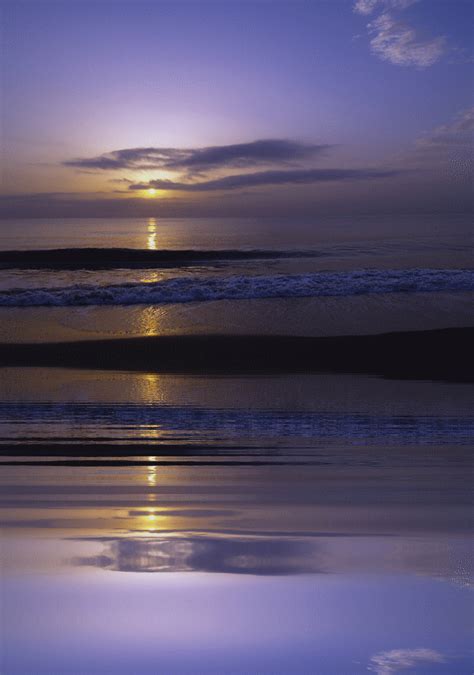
(312, 317)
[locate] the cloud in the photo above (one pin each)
(199, 168)
(368, 6)
(128, 158)
(446, 150)
(459, 132)
(365, 6)
(398, 43)
(395, 41)
(260, 178)
(386, 663)
(195, 160)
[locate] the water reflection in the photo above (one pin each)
(446, 558)
(232, 557)
(96, 621)
(152, 470)
(208, 554)
(229, 570)
(151, 238)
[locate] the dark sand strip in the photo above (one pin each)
(437, 354)
(129, 258)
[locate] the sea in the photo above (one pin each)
(242, 523)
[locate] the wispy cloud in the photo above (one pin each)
(397, 41)
(195, 160)
(386, 663)
(261, 178)
(368, 6)
(459, 132)
(446, 150)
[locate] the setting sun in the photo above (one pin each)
(151, 192)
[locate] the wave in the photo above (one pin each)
(244, 287)
(128, 258)
(149, 422)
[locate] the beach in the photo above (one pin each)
(236, 329)
(207, 440)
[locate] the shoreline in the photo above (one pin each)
(440, 354)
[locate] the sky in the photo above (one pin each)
(239, 108)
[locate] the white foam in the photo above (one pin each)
(240, 287)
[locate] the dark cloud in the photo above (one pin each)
(195, 160)
(131, 158)
(244, 180)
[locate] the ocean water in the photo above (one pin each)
(309, 278)
(273, 524)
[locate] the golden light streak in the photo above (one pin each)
(151, 518)
(151, 240)
(151, 475)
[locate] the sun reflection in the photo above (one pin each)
(151, 519)
(151, 240)
(151, 478)
(151, 474)
(151, 387)
(149, 319)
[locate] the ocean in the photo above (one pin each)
(160, 518)
(187, 276)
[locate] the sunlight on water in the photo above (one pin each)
(152, 471)
(218, 525)
(151, 239)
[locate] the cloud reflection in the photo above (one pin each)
(257, 556)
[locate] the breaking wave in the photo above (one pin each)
(245, 287)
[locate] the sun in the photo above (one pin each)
(151, 192)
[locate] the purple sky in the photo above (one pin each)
(236, 108)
